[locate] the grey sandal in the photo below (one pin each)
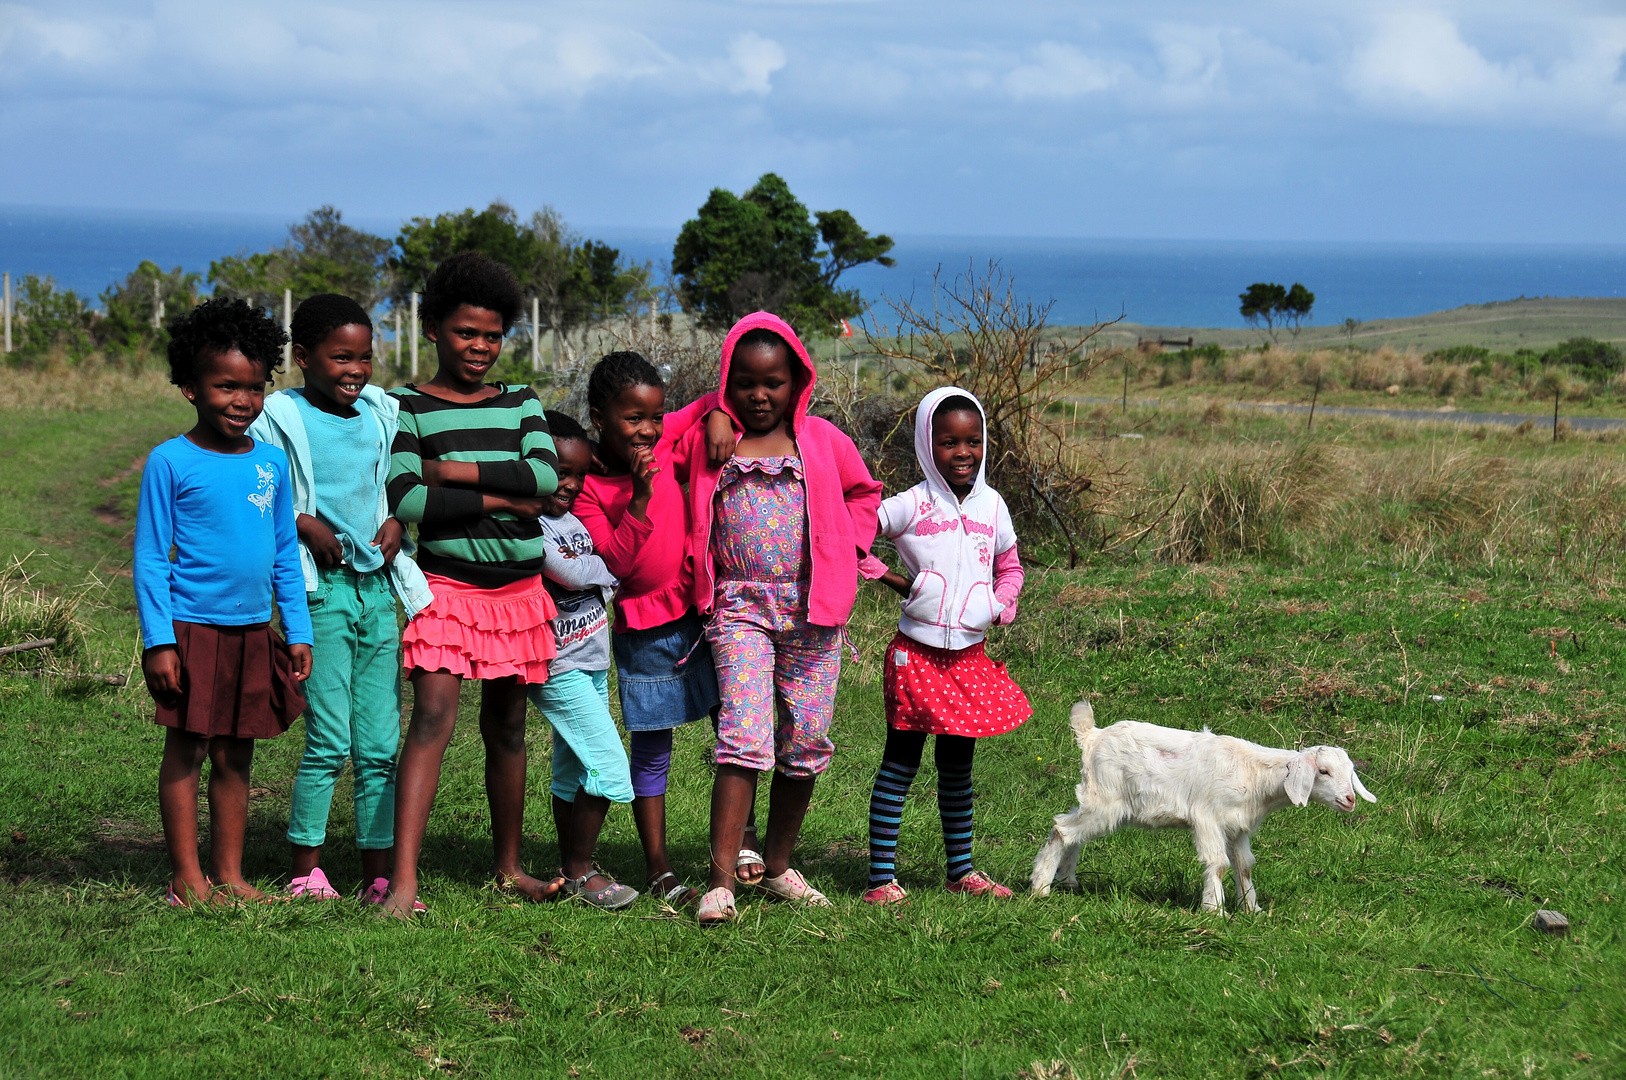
(672, 891)
(613, 897)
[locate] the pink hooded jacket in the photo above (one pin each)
(842, 497)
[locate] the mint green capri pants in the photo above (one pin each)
(353, 708)
(587, 751)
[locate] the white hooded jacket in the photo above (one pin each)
(950, 546)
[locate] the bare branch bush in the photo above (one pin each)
(688, 364)
(975, 332)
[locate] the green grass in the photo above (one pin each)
(1501, 326)
(1396, 941)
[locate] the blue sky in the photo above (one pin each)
(1484, 121)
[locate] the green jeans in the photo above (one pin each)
(354, 708)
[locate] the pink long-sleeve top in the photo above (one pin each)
(651, 555)
(842, 496)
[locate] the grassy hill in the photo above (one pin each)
(1502, 326)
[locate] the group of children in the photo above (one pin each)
(725, 540)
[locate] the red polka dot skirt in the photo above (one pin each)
(950, 691)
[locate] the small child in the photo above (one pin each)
(787, 516)
(954, 534)
(640, 522)
(214, 544)
(471, 465)
(589, 765)
(337, 430)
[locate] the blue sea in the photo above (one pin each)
(1152, 282)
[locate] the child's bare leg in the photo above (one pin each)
(787, 806)
(502, 725)
(732, 794)
(417, 775)
(561, 826)
(306, 859)
(230, 762)
(586, 821)
(375, 863)
(649, 815)
(178, 807)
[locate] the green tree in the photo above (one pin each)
(423, 242)
(1261, 304)
(322, 254)
(760, 251)
(1295, 307)
(49, 319)
(134, 312)
(1590, 357)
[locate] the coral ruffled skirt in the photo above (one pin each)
(483, 633)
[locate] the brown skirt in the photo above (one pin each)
(236, 681)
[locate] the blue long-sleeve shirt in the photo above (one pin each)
(229, 521)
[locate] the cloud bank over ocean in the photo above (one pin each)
(1482, 121)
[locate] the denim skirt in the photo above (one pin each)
(665, 674)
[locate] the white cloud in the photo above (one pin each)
(1418, 62)
(1059, 70)
(755, 59)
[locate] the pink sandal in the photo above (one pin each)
(379, 891)
(313, 886)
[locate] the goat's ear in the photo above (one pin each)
(1301, 778)
(1360, 788)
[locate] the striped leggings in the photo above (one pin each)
(899, 763)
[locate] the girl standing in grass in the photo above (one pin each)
(639, 523)
(471, 465)
(955, 537)
(589, 765)
(337, 430)
(778, 531)
(214, 545)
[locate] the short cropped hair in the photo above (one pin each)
(761, 337)
(956, 403)
(320, 315)
(473, 279)
(563, 426)
(615, 373)
(220, 325)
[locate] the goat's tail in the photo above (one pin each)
(1082, 721)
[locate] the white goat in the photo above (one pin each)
(1220, 788)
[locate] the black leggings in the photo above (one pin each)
(905, 748)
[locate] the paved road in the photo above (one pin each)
(1580, 423)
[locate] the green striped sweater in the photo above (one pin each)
(508, 437)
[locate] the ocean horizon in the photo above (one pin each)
(1152, 282)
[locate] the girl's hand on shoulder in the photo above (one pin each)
(161, 668)
(720, 437)
(388, 540)
(324, 545)
(301, 656)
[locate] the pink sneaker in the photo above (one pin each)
(890, 893)
(976, 883)
(379, 891)
(315, 886)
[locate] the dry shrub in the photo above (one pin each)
(1245, 507)
(690, 364)
(28, 613)
(975, 333)
(61, 386)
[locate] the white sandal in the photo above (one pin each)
(748, 857)
(716, 907)
(791, 885)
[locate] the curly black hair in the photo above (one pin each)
(473, 279)
(617, 371)
(220, 325)
(320, 315)
(563, 426)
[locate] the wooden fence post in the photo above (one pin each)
(7, 302)
(412, 329)
(287, 323)
(536, 334)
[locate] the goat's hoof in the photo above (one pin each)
(1041, 890)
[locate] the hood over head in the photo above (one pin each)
(923, 443)
(803, 373)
